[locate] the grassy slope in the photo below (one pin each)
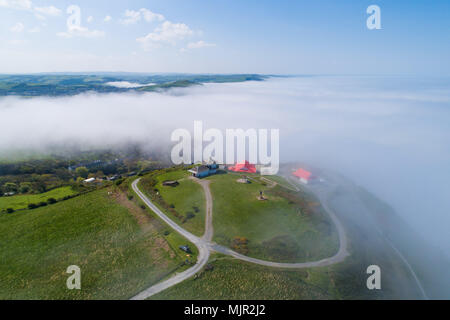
(276, 229)
(22, 201)
(184, 197)
(281, 181)
(233, 279)
(119, 253)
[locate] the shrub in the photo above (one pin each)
(32, 206)
(130, 197)
(10, 210)
(42, 204)
(172, 206)
(51, 200)
(189, 215)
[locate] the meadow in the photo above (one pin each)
(186, 201)
(286, 227)
(120, 248)
(18, 202)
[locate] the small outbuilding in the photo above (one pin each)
(89, 180)
(170, 183)
(303, 175)
(204, 170)
(243, 167)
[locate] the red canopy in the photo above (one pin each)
(243, 167)
(303, 174)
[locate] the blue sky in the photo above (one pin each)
(208, 36)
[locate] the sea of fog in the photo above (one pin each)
(388, 134)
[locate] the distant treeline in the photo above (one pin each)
(41, 175)
(62, 85)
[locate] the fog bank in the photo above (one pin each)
(391, 135)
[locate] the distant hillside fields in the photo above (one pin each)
(119, 247)
(73, 84)
(22, 201)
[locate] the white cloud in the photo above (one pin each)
(150, 16)
(17, 42)
(40, 17)
(132, 17)
(16, 4)
(34, 30)
(49, 11)
(166, 33)
(26, 5)
(200, 44)
(107, 19)
(75, 31)
(18, 27)
(90, 19)
(127, 84)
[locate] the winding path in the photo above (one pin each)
(206, 246)
(203, 250)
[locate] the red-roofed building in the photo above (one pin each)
(303, 175)
(243, 167)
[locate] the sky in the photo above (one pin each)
(204, 36)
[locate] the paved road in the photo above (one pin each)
(205, 244)
(203, 251)
(209, 229)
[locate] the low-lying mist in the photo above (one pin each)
(390, 135)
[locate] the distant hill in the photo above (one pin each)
(72, 84)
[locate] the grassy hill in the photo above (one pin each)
(228, 278)
(232, 279)
(184, 204)
(287, 227)
(120, 248)
(22, 201)
(72, 84)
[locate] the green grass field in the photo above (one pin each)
(279, 180)
(232, 279)
(119, 247)
(278, 229)
(187, 199)
(22, 201)
(235, 280)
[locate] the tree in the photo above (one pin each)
(25, 187)
(10, 187)
(82, 172)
